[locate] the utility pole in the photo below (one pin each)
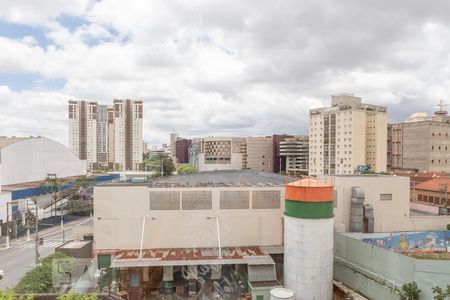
(36, 236)
(7, 225)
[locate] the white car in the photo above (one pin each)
(2, 274)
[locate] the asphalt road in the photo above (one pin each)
(18, 260)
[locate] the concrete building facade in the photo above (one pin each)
(387, 196)
(83, 117)
(228, 218)
(420, 144)
(232, 153)
(279, 161)
(128, 135)
(295, 151)
(25, 160)
(257, 153)
(347, 135)
(182, 150)
(219, 153)
(102, 135)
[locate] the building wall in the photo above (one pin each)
(83, 131)
(220, 153)
(259, 153)
(421, 145)
(111, 135)
(128, 135)
(346, 135)
(279, 162)
(102, 135)
(393, 215)
(377, 273)
(184, 228)
(182, 150)
(34, 158)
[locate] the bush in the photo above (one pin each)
(440, 294)
(40, 279)
(448, 226)
(410, 291)
(10, 295)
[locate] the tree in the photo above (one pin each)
(10, 295)
(440, 294)
(185, 169)
(154, 164)
(54, 184)
(40, 279)
(410, 291)
(84, 183)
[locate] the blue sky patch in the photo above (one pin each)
(19, 31)
(26, 81)
(72, 22)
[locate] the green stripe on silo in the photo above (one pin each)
(309, 210)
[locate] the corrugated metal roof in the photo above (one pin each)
(231, 178)
(191, 256)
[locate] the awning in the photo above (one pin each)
(191, 256)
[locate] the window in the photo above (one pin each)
(385, 197)
(419, 197)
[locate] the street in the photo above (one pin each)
(19, 259)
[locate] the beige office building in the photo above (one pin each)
(347, 135)
(232, 153)
(421, 143)
(83, 131)
(296, 151)
(257, 153)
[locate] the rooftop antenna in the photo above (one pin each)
(442, 106)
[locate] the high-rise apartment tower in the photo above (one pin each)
(83, 131)
(347, 136)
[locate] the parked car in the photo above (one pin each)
(2, 274)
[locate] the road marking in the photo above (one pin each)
(10, 263)
(50, 244)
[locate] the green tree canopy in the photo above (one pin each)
(154, 164)
(40, 279)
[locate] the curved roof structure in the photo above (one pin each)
(31, 159)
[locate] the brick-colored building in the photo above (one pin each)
(434, 192)
(182, 150)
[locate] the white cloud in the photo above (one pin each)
(214, 67)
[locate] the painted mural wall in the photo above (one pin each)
(411, 242)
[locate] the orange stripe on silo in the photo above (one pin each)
(309, 194)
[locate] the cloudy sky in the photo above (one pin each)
(208, 67)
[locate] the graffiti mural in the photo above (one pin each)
(411, 242)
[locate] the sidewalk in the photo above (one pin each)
(42, 233)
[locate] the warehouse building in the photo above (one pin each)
(193, 234)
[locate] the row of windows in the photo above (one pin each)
(431, 199)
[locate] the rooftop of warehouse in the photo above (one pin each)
(231, 178)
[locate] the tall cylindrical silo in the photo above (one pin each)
(308, 239)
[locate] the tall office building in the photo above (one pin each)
(83, 131)
(421, 143)
(102, 135)
(295, 151)
(347, 135)
(279, 161)
(128, 136)
(111, 152)
(173, 147)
